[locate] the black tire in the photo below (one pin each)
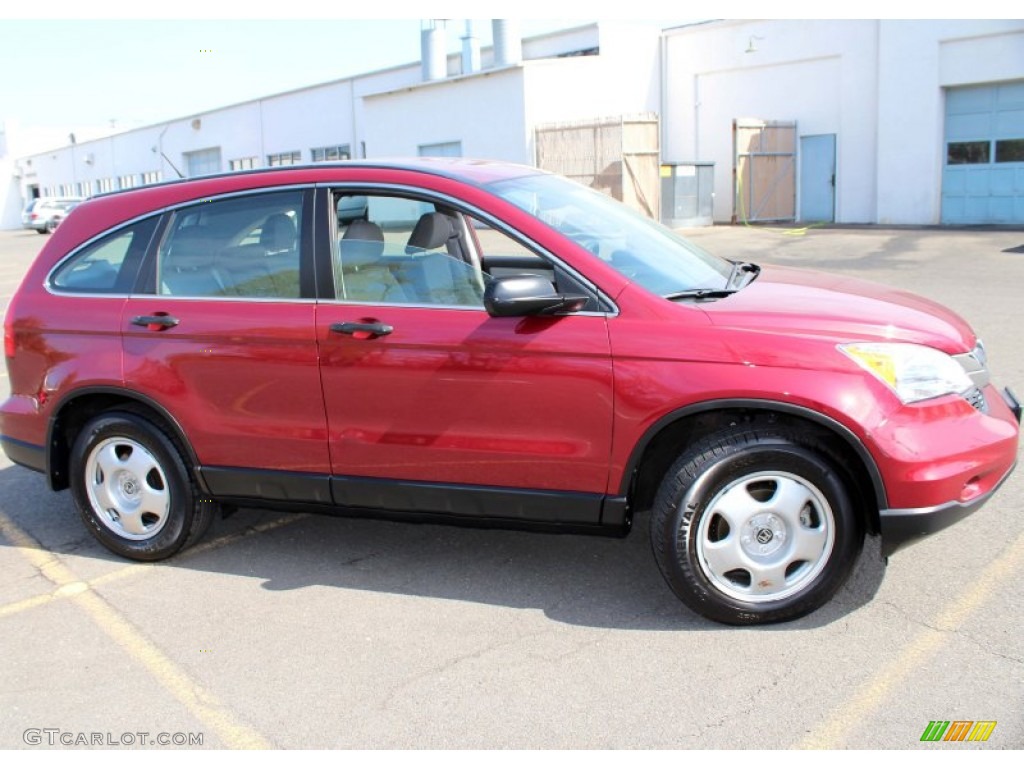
(792, 540)
(133, 488)
(44, 231)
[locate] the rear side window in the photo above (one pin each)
(239, 247)
(110, 264)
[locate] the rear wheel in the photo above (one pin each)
(133, 488)
(755, 525)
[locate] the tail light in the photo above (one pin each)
(8, 337)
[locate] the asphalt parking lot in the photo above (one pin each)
(297, 631)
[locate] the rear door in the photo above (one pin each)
(222, 336)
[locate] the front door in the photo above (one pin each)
(433, 405)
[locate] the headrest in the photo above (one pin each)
(432, 231)
(278, 233)
(362, 244)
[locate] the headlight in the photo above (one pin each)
(912, 371)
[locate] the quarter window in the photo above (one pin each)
(110, 264)
(239, 247)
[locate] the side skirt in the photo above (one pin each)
(472, 505)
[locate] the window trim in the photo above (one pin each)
(467, 209)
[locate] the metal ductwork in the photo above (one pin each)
(470, 49)
(432, 45)
(508, 45)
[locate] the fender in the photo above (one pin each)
(57, 474)
(764, 405)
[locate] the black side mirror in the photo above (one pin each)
(528, 295)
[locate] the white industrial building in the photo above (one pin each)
(889, 122)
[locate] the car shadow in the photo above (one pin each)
(580, 580)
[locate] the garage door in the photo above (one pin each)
(983, 175)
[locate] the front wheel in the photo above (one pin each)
(133, 489)
(754, 525)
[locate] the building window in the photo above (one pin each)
(967, 152)
(105, 185)
(126, 182)
(284, 158)
(151, 177)
(1010, 151)
(327, 154)
(203, 163)
(84, 188)
(66, 190)
(444, 149)
(243, 163)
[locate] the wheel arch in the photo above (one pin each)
(73, 411)
(660, 445)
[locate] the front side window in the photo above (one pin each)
(238, 247)
(108, 265)
(399, 250)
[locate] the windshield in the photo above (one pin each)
(641, 249)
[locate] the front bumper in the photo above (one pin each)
(902, 527)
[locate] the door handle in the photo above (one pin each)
(155, 322)
(359, 329)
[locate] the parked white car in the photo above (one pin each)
(44, 213)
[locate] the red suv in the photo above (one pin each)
(486, 343)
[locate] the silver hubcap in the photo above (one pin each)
(765, 536)
(127, 489)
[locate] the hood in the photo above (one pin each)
(804, 302)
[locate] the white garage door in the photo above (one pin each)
(983, 174)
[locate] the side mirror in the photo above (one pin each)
(527, 295)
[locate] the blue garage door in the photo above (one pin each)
(983, 174)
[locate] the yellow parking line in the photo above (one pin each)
(834, 732)
(24, 605)
(270, 525)
(140, 568)
(199, 549)
(207, 709)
